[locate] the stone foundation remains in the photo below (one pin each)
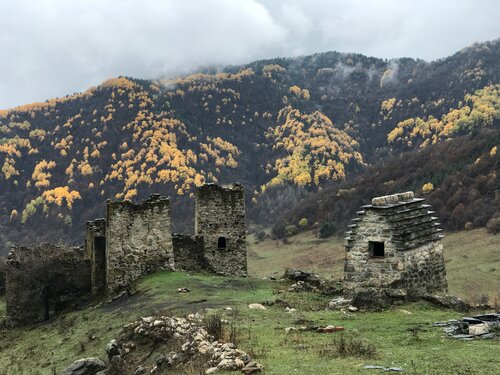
(395, 244)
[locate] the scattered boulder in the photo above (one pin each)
(309, 278)
(447, 302)
(85, 366)
(257, 306)
(330, 329)
(339, 303)
(112, 349)
(377, 299)
(252, 368)
(302, 286)
(277, 302)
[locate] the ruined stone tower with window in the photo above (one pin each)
(138, 240)
(220, 220)
(135, 239)
(395, 244)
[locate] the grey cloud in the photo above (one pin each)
(56, 47)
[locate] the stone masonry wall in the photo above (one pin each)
(95, 250)
(219, 218)
(189, 253)
(44, 280)
(425, 269)
(138, 240)
(360, 269)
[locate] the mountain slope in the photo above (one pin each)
(277, 126)
(459, 178)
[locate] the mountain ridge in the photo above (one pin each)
(293, 125)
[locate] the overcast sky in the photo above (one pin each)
(56, 47)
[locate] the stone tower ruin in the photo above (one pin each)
(138, 240)
(220, 220)
(135, 239)
(395, 244)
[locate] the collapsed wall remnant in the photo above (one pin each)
(220, 220)
(44, 280)
(138, 240)
(95, 251)
(395, 243)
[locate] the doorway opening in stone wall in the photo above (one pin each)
(377, 249)
(221, 243)
(100, 263)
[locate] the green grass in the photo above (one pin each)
(472, 260)
(473, 264)
(48, 348)
(305, 251)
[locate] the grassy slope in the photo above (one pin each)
(47, 348)
(472, 260)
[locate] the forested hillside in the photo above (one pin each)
(285, 128)
(459, 178)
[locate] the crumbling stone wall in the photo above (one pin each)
(220, 219)
(395, 243)
(43, 280)
(138, 240)
(189, 252)
(95, 250)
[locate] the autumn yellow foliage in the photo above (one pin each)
(60, 194)
(41, 174)
(427, 188)
(478, 110)
(313, 149)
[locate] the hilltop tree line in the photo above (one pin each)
(285, 128)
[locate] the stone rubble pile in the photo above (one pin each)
(303, 281)
(195, 342)
(479, 326)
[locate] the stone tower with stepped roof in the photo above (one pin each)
(394, 243)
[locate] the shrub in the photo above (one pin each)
(493, 225)
(344, 346)
(326, 230)
(213, 324)
(303, 223)
(260, 235)
(290, 230)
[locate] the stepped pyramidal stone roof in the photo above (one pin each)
(411, 221)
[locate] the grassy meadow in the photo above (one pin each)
(472, 260)
(402, 336)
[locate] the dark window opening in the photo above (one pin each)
(376, 249)
(221, 243)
